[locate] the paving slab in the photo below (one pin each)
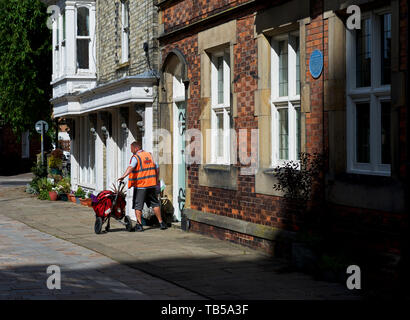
(205, 266)
(97, 277)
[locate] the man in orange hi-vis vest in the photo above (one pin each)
(143, 177)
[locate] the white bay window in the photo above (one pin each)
(368, 94)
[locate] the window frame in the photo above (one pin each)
(125, 29)
(291, 102)
(220, 108)
(374, 94)
(89, 37)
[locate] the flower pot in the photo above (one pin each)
(63, 197)
(85, 202)
(53, 195)
(77, 200)
(71, 198)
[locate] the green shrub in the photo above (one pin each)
(80, 193)
(39, 171)
(44, 185)
(64, 186)
(55, 163)
(44, 195)
(31, 190)
(297, 178)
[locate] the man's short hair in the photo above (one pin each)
(136, 144)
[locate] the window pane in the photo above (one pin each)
(63, 25)
(283, 134)
(386, 48)
(297, 133)
(58, 30)
(385, 134)
(83, 22)
(283, 68)
(220, 133)
(363, 132)
(125, 15)
(82, 53)
(297, 49)
(363, 54)
(220, 68)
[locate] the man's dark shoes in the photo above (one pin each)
(139, 228)
(163, 225)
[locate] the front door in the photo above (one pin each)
(179, 159)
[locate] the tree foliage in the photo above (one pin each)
(25, 64)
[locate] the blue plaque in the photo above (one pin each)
(316, 63)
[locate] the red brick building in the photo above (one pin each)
(17, 154)
(243, 65)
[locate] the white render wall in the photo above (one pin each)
(113, 166)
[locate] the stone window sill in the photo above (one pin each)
(269, 172)
(123, 65)
(217, 167)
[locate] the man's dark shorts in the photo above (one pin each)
(149, 196)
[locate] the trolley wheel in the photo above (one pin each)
(98, 225)
(128, 223)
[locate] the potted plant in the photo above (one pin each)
(71, 197)
(79, 194)
(55, 162)
(53, 194)
(87, 202)
(63, 189)
(45, 187)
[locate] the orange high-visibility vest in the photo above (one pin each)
(144, 174)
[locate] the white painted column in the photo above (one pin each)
(99, 165)
(75, 156)
(148, 125)
(131, 138)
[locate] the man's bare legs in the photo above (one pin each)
(157, 212)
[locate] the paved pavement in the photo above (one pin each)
(13, 181)
(211, 268)
(25, 255)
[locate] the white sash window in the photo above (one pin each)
(125, 47)
(285, 97)
(220, 100)
(368, 94)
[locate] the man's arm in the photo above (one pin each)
(126, 173)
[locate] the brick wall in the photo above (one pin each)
(187, 12)
(143, 28)
(244, 203)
